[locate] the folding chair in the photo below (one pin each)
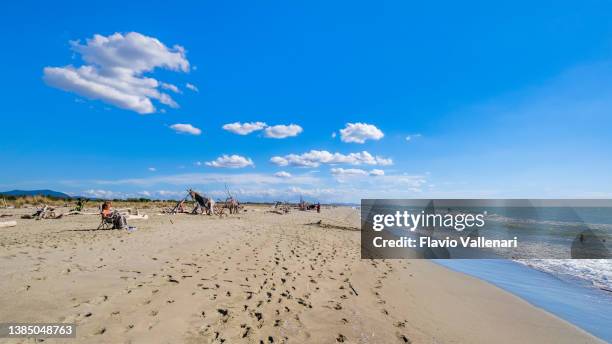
(106, 223)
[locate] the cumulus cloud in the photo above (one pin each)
(114, 70)
(282, 131)
(276, 131)
(244, 128)
(192, 87)
(152, 169)
(231, 161)
(283, 174)
(170, 87)
(348, 172)
(315, 158)
(186, 129)
(360, 132)
(343, 174)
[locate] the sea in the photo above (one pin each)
(576, 290)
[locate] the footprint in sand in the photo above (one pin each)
(403, 338)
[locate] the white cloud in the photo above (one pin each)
(292, 193)
(186, 129)
(115, 68)
(192, 87)
(276, 131)
(133, 51)
(283, 174)
(152, 169)
(360, 132)
(314, 158)
(348, 172)
(244, 128)
(282, 131)
(412, 137)
(213, 178)
(231, 161)
(107, 194)
(170, 87)
(347, 185)
(170, 194)
(344, 174)
(104, 194)
(198, 163)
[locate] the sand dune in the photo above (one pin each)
(250, 278)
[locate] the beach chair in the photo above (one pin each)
(106, 222)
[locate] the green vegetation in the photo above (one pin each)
(22, 201)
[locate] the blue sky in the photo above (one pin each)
(499, 100)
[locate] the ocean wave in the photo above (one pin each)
(596, 272)
(517, 221)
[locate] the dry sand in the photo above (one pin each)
(255, 277)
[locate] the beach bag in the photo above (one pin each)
(119, 221)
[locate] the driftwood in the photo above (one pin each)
(74, 212)
(219, 209)
(281, 208)
(5, 224)
(321, 224)
(137, 217)
(274, 211)
(231, 205)
(179, 207)
(45, 212)
(231, 202)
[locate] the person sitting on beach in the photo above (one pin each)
(106, 209)
(119, 220)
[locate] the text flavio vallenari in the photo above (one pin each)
(453, 221)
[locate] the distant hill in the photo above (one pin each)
(48, 193)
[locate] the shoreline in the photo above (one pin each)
(250, 277)
(585, 306)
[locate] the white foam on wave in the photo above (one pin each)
(597, 272)
(511, 220)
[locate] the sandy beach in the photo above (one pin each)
(255, 277)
